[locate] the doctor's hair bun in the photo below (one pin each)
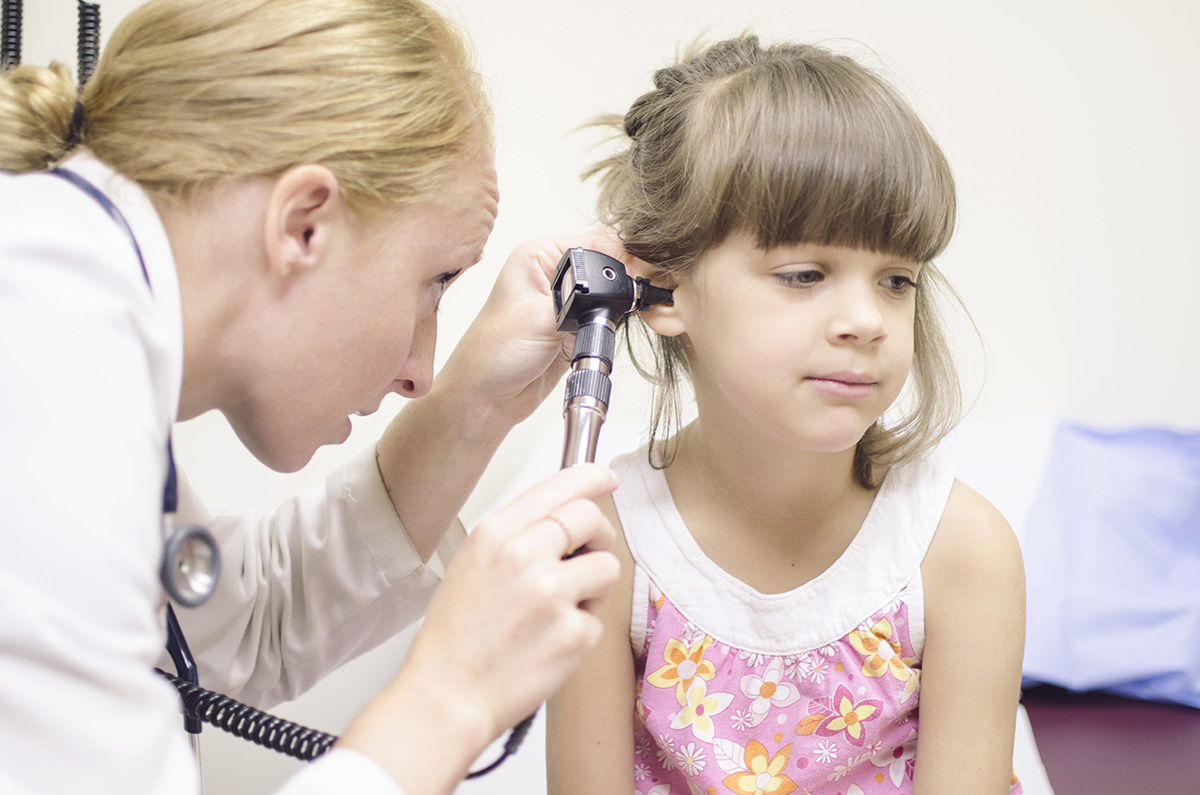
(36, 107)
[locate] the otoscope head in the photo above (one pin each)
(589, 285)
(591, 291)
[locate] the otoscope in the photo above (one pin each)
(591, 290)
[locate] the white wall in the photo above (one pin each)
(1072, 127)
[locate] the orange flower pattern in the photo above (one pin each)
(763, 774)
(715, 719)
(880, 653)
(683, 665)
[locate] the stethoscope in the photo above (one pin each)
(191, 562)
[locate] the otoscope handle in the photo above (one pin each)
(596, 339)
(585, 404)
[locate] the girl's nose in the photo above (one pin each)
(857, 318)
(416, 376)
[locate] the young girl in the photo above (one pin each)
(811, 602)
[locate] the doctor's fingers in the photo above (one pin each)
(577, 525)
(536, 551)
(590, 579)
(585, 482)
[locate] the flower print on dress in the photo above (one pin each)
(691, 633)
(691, 759)
(698, 710)
(762, 774)
(819, 711)
(752, 659)
(849, 717)
(847, 767)
(882, 654)
(899, 761)
(818, 669)
(656, 597)
(767, 690)
(911, 688)
(641, 771)
(666, 751)
(826, 751)
(893, 607)
(684, 664)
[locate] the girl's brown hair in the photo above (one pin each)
(788, 144)
(193, 94)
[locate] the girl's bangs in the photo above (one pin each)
(823, 169)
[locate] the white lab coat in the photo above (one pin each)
(90, 374)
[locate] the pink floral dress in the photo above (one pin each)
(810, 691)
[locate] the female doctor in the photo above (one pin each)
(301, 181)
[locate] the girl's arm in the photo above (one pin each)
(589, 722)
(974, 641)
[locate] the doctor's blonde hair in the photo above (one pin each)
(190, 95)
(789, 143)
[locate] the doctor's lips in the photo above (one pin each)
(844, 384)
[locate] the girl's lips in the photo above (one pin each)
(843, 385)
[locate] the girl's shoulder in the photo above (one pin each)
(974, 553)
(973, 532)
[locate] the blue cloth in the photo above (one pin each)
(1112, 557)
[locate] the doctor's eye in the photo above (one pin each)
(800, 278)
(442, 282)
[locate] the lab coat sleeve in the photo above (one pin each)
(328, 576)
(341, 770)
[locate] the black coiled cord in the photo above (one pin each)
(249, 723)
(10, 34)
(88, 40)
(284, 736)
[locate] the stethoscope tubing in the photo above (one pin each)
(191, 563)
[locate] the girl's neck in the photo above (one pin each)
(775, 518)
(764, 480)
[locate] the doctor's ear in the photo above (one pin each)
(663, 319)
(303, 206)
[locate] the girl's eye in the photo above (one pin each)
(899, 283)
(800, 278)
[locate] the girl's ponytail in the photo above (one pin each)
(37, 104)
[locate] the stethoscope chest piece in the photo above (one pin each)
(191, 565)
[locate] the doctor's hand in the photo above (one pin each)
(435, 450)
(512, 355)
(506, 628)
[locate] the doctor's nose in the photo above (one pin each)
(858, 319)
(415, 378)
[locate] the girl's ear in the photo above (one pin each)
(663, 319)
